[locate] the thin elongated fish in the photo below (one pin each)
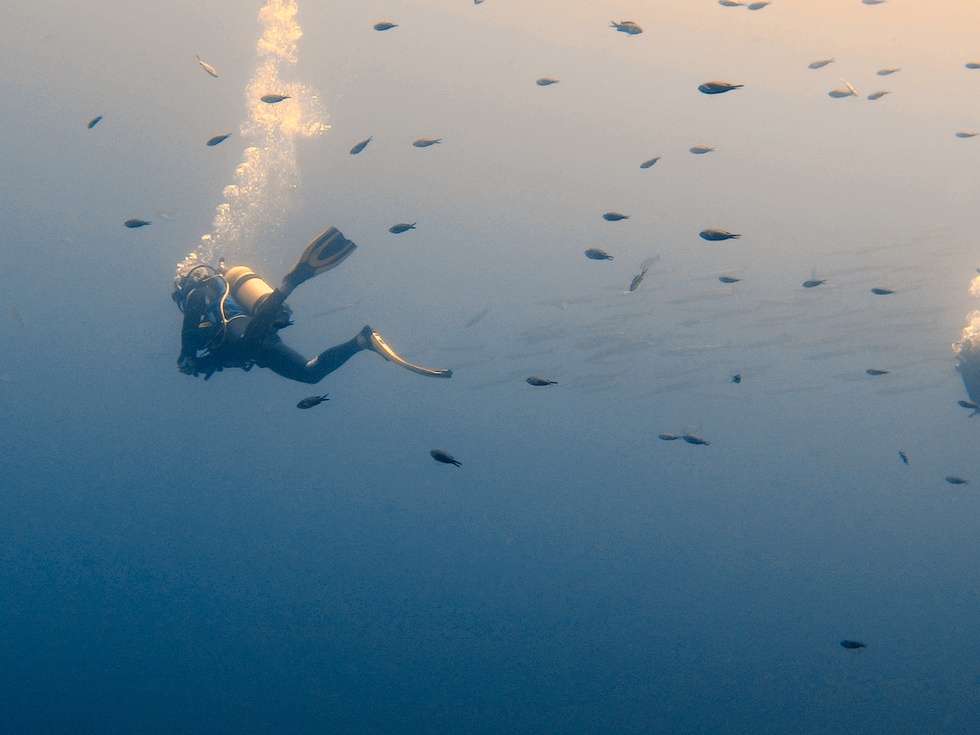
(206, 66)
(821, 63)
(967, 134)
(700, 150)
(758, 5)
(876, 371)
(972, 65)
(360, 146)
(217, 139)
(955, 480)
(637, 279)
(539, 381)
(853, 645)
(888, 70)
(94, 121)
(878, 291)
(426, 142)
(649, 162)
(904, 456)
(668, 437)
(878, 95)
(731, 3)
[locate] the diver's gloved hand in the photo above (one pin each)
(187, 365)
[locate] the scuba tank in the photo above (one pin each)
(247, 289)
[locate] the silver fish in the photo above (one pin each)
(360, 146)
(691, 439)
(718, 87)
(637, 279)
(888, 70)
(401, 227)
(878, 95)
(668, 437)
(713, 234)
(537, 380)
(614, 216)
(597, 254)
(206, 66)
(627, 26)
(821, 63)
(217, 139)
(648, 163)
(426, 142)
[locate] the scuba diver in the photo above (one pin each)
(232, 319)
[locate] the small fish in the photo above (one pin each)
(271, 99)
(401, 227)
(668, 437)
(94, 121)
(312, 401)
(878, 95)
(384, 25)
(876, 371)
(737, 378)
(691, 439)
(840, 93)
(758, 5)
(700, 150)
(650, 162)
(440, 456)
(360, 146)
(877, 291)
(426, 142)
(966, 134)
(729, 279)
(853, 645)
(730, 3)
(206, 66)
(873, 2)
(820, 63)
(539, 381)
(545, 81)
(718, 87)
(968, 404)
(973, 65)
(134, 223)
(813, 283)
(477, 318)
(597, 254)
(904, 456)
(614, 216)
(954, 480)
(637, 279)
(714, 234)
(627, 26)
(888, 70)
(217, 139)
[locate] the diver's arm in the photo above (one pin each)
(190, 338)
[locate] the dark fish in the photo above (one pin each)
(737, 378)
(94, 121)
(968, 404)
(886, 72)
(440, 456)
(713, 234)
(669, 437)
(477, 318)
(973, 65)
(700, 150)
(134, 223)
(384, 25)
(272, 99)
(538, 380)
(691, 439)
(597, 254)
(840, 93)
(718, 87)
(545, 81)
(758, 5)
(206, 66)
(312, 401)
(967, 134)
(627, 26)
(873, 2)
(820, 63)
(614, 216)
(813, 283)
(729, 279)
(360, 146)
(650, 162)
(401, 227)
(731, 3)
(853, 645)
(876, 371)
(636, 279)
(878, 95)
(881, 291)
(218, 138)
(904, 457)
(426, 142)
(954, 480)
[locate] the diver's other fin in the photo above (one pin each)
(377, 344)
(327, 251)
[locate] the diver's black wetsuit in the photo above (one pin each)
(221, 341)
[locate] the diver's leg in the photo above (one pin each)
(287, 362)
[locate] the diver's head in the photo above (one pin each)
(190, 275)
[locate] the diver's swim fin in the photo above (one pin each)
(327, 251)
(373, 341)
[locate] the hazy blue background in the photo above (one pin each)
(182, 556)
